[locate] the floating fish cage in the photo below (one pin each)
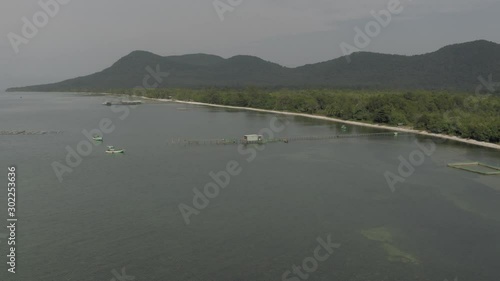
(259, 139)
(477, 167)
(226, 141)
(25, 132)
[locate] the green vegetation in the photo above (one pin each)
(380, 234)
(455, 67)
(394, 254)
(459, 114)
(252, 82)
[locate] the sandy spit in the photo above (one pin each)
(398, 129)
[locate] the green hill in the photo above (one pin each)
(455, 67)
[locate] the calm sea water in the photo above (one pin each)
(120, 212)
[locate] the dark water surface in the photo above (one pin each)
(115, 212)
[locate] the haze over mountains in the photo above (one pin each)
(454, 67)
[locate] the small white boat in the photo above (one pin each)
(97, 138)
(112, 150)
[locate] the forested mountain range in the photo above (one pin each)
(454, 67)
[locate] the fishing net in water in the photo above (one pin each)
(476, 167)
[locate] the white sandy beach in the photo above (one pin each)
(398, 129)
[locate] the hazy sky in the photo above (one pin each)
(86, 36)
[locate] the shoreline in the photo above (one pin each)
(356, 123)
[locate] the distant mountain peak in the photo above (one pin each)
(455, 67)
(471, 45)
